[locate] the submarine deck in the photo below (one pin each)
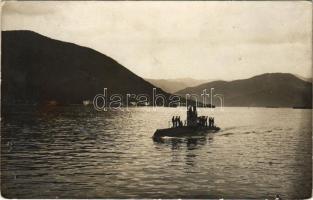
(184, 131)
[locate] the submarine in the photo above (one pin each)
(194, 126)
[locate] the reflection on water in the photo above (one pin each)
(176, 143)
(79, 153)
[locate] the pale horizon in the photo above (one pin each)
(203, 40)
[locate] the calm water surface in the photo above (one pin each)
(75, 152)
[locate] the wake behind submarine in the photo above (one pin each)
(194, 126)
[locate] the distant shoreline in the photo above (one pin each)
(69, 105)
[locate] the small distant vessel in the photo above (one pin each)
(87, 102)
(194, 126)
(51, 103)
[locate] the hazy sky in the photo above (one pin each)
(203, 40)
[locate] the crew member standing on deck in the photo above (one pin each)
(210, 122)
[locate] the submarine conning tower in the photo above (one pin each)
(192, 116)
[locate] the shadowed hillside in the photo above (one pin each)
(36, 69)
(266, 90)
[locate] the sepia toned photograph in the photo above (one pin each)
(156, 99)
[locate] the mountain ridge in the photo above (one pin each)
(174, 85)
(265, 90)
(36, 68)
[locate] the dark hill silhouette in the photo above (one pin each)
(36, 69)
(266, 90)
